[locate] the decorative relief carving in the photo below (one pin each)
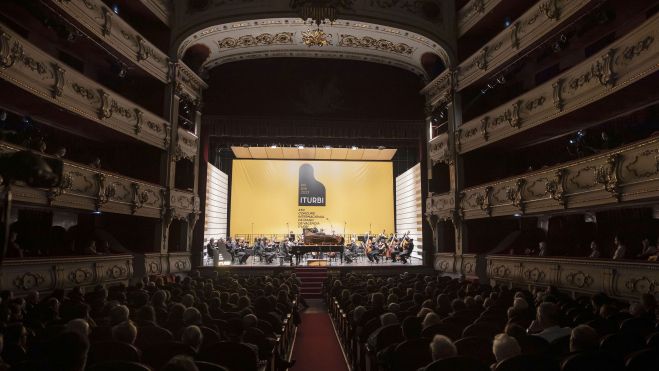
(514, 35)
(484, 200)
(245, 41)
(556, 187)
(368, 42)
(579, 279)
(534, 275)
(153, 267)
(642, 285)
(631, 52)
(481, 59)
(80, 275)
(484, 123)
(574, 180)
(641, 171)
(58, 87)
(107, 21)
(182, 265)
(516, 194)
(501, 271)
(65, 184)
(608, 175)
(104, 111)
(116, 272)
(28, 281)
(550, 9)
(558, 94)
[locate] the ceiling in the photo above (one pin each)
(283, 37)
(314, 153)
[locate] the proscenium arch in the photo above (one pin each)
(282, 37)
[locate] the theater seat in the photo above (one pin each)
(457, 364)
(149, 335)
(483, 329)
(534, 345)
(446, 329)
(112, 351)
(411, 355)
(560, 346)
(591, 361)
(525, 362)
(158, 354)
(639, 326)
(477, 347)
(207, 366)
(643, 360)
(234, 356)
(621, 344)
(119, 365)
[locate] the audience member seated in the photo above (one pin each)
(547, 323)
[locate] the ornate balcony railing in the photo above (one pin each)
(628, 173)
(622, 279)
(162, 9)
(470, 14)
(107, 26)
(188, 83)
(87, 188)
(186, 145)
(31, 69)
(445, 262)
(535, 25)
(65, 272)
(626, 61)
(438, 149)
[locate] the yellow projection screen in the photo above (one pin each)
(272, 197)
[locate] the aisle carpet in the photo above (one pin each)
(316, 346)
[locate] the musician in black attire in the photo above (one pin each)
(408, 244)
(210, 248)
(350, 251)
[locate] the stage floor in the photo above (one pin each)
(304, 261)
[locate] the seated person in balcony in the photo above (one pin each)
(546, 324)
(620, 250)
(96, 163)
(647, 249)
(91, 248)
(594, 250)
(60, 152)
(13, 249)
(542, 249)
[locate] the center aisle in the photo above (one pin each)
(316, 347)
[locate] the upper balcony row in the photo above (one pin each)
(36, 72)
(629, 60)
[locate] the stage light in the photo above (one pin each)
(354, 148)
(483, 91)
(97, 212)
(572, 141)
(506, 21)
(115, 8)
(517, 215)
(273, 146)
(490, 85)
(300, 146)
(501, 79)
(581, 133)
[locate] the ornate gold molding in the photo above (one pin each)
(368, 42)
(626, 61)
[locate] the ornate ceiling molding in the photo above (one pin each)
(283, 37)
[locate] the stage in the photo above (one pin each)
(308, 259)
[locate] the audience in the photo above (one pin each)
(505, 346)
(442, 347)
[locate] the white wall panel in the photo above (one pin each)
(217, 197)
(408, 206)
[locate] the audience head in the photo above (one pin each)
(192, 316)
(79, 326)
(180, 363)
(235, 330)
(125, 332)
(583, 339)
(547, 315)
(388, 319)
(515, 330)
(119, 314)
(68, 352)
(377, 299)
(505, 346)
(442, 347)
(423, 312)
(358, 313)
(393, 307)
(637, 310)
(250, 320)
(458, 305)
(411, 328)
(193, 337)
(430, 319)
(146, 314)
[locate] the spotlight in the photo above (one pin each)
(490, 85)
(97, 212)
(442, 115)
(435, 120)
(115, 8)
(581, 133)
(501, 79)
(354, 148)
(517, 215)
(27, 120)
(572, 141)
(483, 91)
(506, 21)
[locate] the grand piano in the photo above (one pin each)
(319, 242)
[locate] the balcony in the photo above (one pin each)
(162, 9)
(105, 25)
(628, 60)
(473, 12)
(30, 69)
(621, 279)
(86, 188)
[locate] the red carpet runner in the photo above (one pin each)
(316, 347)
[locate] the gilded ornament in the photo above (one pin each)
(316, 37)
(28, 281)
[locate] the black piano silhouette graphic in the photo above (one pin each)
(310, 191)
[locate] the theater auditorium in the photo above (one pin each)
(329, 185)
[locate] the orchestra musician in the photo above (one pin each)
(350, 251)
(407, 246)
(372, 252)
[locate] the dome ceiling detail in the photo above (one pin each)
(285, 37)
